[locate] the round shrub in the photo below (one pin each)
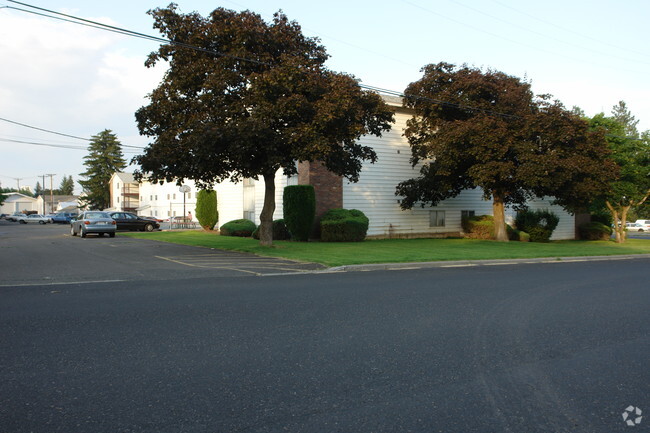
(280, 231)
(243, 228)
(594, 231)
(206, 208)
(299, 210)
(343, 225)
(538, 224)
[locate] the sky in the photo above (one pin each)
(79, 81)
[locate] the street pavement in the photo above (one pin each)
(546, 347)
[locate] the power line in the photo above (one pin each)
(41, 129)
(127, 32)
(57, 133)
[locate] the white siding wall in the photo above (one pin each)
(374, 194)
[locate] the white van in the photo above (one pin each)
(643, 225)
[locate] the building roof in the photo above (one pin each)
(125, 177)
(13, 196)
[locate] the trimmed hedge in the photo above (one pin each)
(594, 231)
(299, 210)
(482, 227)
(242, 228)
(538, 224)
(280, 231)
(206, 208)
(343, 225)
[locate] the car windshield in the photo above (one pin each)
(96, 215)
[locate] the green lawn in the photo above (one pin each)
(399, 250)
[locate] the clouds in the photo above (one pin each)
(68, 78)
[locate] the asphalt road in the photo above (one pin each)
(517, 348)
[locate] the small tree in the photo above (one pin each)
(206, 208)
(628, 187)
(67, 186)
(103, 160)
(299, 209)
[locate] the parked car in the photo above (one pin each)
(644, 225)
(14, 216)
(130, 221)
(34, 218)
(93, 222)
(63, 217)
(3, 216)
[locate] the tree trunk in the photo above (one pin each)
(499, 213)
(266, 217)
(619, 227)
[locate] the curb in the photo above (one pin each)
(468, 263)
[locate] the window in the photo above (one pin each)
(189, 195)
(464, 214)
(141, 198)
(437, 218)
(167, 196)
(249, 181)
(151, 198)
(156, 213)
(156, 196)
(118, 199)
(118, 186)
(174, 196)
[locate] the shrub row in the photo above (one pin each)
(280, 231)
(594, 231)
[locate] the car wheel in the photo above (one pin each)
(101, 235)
(42, 222)
(83, 233)
(72, 232)
(148, 227)
(112, 235)
(25, 222)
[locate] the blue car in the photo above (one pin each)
(63, 217)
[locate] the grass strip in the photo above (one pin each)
(398, 250)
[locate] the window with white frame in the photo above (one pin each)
(436, 218)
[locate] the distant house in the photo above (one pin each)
(125, 192)
(374, 194)
(17, 202)
(57, 203)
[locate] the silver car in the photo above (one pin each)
(34, 218)
(93, 222)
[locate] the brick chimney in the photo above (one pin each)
(327, 186)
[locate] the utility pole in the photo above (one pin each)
(18, 179)
(43, 195)
(51, 194)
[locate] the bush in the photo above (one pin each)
(482, 227)
(538, 224)
(594, 231)
(242, 228)
(206, 209)
(280, 231)
(299, 209)
(478, 227)
(602, 217)
(343, 225)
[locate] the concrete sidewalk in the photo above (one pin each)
(467, 263)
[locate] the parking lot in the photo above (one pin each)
(48, 254)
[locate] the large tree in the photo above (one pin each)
(103, 160)
(243, 98)
(628, 188)
(486, 129)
